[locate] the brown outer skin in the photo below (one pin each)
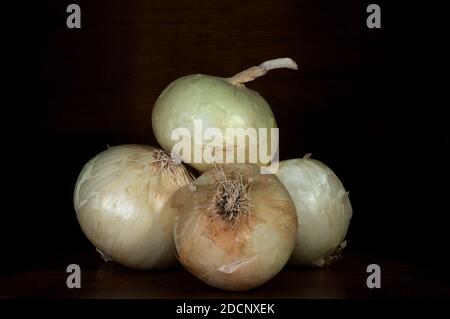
(208, 246)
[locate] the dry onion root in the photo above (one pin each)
(235, 228)
(119, 197)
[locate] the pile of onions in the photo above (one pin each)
(235, 228)
(119, 197)
(218, 103)
(323, 208)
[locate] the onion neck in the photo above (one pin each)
(256, 71)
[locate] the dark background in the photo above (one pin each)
(372, 104)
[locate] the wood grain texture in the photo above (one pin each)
(346, 279)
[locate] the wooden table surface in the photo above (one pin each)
(346, 279)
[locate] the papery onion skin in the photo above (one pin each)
(237, 256)
(118, 199)
(214, 101)
(323, 207)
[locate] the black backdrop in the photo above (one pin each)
(370, 103)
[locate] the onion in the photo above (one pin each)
(119, 197)
(217, 103)
(235, 228)
(323, 208)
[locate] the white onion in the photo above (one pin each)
(235, 228)
(323, 208)
(220, 103)
(119, 197)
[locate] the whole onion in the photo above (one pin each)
(323, 208)
(235, 228)
(219, 103)
(118, 199)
